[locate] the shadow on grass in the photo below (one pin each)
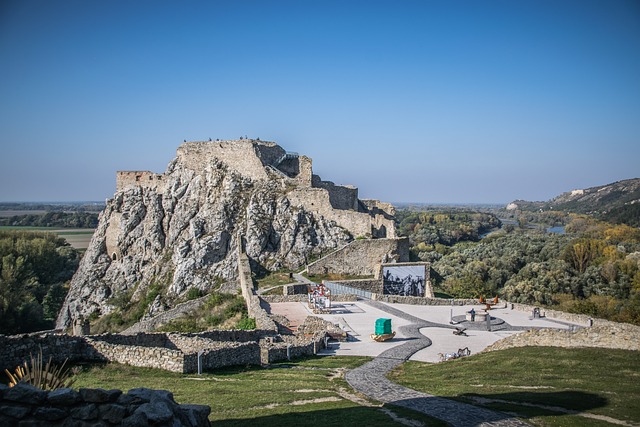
(570, 400)
(487, 407)
(359, 416)
(432, 411)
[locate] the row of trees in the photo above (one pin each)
(34, 271)
(592, 269)
(53, 219)
(444, 227)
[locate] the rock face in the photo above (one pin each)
(181, 229)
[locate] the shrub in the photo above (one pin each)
(193, 293)
(45, 377)
(247, 323)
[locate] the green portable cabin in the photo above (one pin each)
(383, 326)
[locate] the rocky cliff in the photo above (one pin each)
(180, 229)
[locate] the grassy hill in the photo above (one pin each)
(618, 202)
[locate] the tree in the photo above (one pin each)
(53, 301)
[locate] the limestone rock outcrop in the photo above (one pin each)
(180, 229)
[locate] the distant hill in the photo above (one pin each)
(618, 202)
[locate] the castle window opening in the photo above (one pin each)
(114, 256)
(138, 177)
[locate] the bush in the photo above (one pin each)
(247, 323)
(193, 293)
(45, 377)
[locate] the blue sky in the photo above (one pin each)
(424, 101)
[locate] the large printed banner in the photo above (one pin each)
(404, 280)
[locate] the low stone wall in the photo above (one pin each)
(291, 347)
(16, 349)
(171, 352)
(158, 339)
(605, 335)
(226, 354)
(580, 319)
(284, 298)
(239, 335)
(30, 406)
(399, 299)
(144, 357)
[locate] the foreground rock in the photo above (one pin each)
(27, 405)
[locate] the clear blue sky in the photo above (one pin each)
(424, 101)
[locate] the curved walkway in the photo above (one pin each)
(370, 380)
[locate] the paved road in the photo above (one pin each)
(370, 380)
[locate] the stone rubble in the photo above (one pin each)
(140, 407)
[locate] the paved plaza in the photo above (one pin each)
(421, 333)
(358, 319)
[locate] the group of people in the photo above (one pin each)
(406, 286)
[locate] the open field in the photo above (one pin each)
(545, 386)
(79, 238)
(10, 213)
(538, 383)
(307, 392)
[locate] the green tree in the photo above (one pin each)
(53, 301)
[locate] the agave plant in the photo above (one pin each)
(45, 377)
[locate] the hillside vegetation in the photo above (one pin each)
(618, 202)
(592, 269)
(34, 272)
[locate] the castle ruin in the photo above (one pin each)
(262, 160)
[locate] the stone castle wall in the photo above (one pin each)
(362, 257)
(382, 214)
(318, 200)
(128, 179)
(246, 157)
(340, 197)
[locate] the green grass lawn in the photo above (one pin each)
(598, 381)
(530, 382)
(308, 392)
(273, 279)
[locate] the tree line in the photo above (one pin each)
(53, 219)
(592, 269)
(34, 272)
